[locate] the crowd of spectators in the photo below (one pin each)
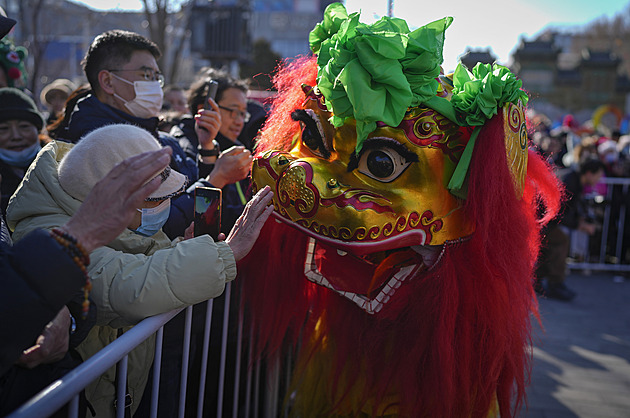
(584, 156)
(59, 162)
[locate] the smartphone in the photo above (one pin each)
(207, 211)
(211, 92)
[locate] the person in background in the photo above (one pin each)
(54, 97)
(552, 261)
(258, 116)
(609, 155)
(140, 273)
(58, 127)
(222, 123)
(173, 108)
(20, 124)
(175, 99)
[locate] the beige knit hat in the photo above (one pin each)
(61, 84)
(100, 150)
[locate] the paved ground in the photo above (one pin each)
(582, 357)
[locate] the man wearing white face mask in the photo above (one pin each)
(126, 84)
(20, 123)
(126, 87)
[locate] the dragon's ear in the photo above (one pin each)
(515, 132)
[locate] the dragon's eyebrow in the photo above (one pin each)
(317, 142)
(379, 142)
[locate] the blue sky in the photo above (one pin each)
(495, 24)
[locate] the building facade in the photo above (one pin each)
(561, 80)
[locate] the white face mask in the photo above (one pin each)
(148, 101)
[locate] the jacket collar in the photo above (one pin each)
(90, 113)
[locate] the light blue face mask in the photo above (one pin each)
(153, 219)
(22, 158)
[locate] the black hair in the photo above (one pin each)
(592, 165)
(113, 49)
(198, 90)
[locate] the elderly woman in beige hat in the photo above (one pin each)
(141, 272)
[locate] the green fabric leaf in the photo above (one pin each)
(334, 16)
(457, 184)
(375, 72)
(478, 95)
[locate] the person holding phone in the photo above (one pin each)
(141, 272)
(219, 122)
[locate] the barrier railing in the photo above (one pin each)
(606, 250)
(66, 390)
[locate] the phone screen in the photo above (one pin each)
(207, 211)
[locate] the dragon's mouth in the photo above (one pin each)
(371, 280)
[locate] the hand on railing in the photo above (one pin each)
(52, 345)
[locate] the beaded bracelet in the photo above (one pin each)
(80, 257)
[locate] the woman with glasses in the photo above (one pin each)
(219, 121)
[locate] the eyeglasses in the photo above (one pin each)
(149, 74)
(236, 113)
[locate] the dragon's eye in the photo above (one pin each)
(383, 163)
(380, 164)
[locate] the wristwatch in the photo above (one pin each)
(210, 152)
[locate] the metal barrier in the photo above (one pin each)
(610, 247)
(67, 389)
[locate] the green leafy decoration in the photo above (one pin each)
(478, 95)
(375, 72)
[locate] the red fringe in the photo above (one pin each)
(280, 128)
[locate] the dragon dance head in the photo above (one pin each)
(374, 167)
(406, 229)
